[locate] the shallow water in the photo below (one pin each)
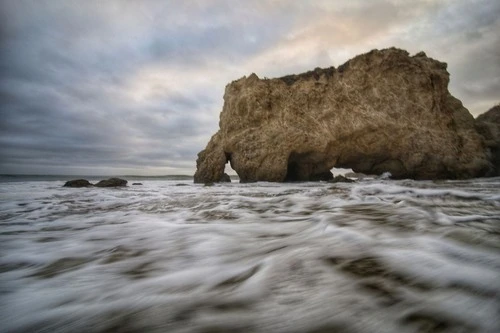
(172, 256)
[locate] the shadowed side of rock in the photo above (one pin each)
(383, 111)
(488, 125)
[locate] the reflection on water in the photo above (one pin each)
(374, 256)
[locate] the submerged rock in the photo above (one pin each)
(383, 111)
(112, 182)
(136, 183)
(77, 183)
(488, 125)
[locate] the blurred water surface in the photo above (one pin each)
(171, 256)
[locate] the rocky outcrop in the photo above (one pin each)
(383, 111)
(77, 183)
(112, 182)
(488, 125)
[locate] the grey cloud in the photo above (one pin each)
(472, 46)
(58, 104)
(69, 70)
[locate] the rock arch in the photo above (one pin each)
(380, 111)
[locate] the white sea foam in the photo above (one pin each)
(376, 255)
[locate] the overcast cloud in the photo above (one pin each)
(136, 87)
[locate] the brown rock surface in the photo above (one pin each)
(488, 125)
(380, 111)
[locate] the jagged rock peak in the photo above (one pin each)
(382, 111)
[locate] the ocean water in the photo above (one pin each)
(172, 256)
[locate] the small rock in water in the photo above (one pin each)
(77, 183)
(112, 182)
(341, 179)
(136, 183)
(225, 178)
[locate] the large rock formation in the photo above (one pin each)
(380, 111)
(488, 125)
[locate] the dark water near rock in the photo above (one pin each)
(171, 256)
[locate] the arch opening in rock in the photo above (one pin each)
(375, 164)
(228, 169)
(228, 157)
(342, 171)
(308, 166)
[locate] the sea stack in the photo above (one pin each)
(383, 111)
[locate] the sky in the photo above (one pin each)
(136, 87)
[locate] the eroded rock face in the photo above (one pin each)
(488, 125)
(383, 111)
